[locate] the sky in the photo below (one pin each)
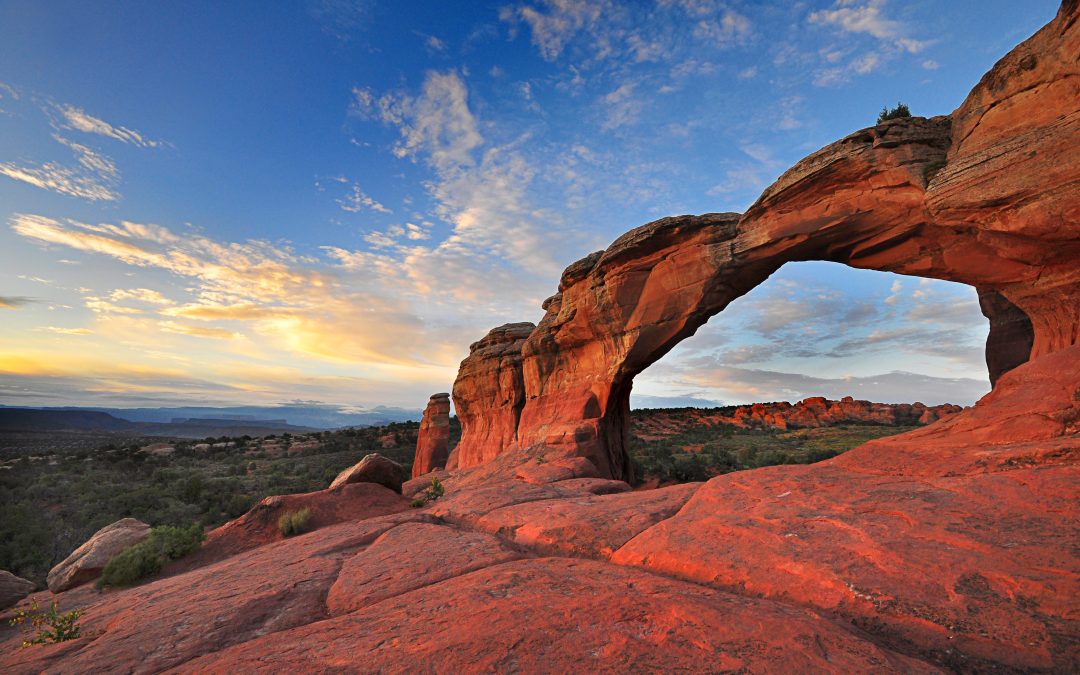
(329, 200)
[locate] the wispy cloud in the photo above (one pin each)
(869, 18)
(14, 301)
(854, 18)
(66, 180)
(77, 119)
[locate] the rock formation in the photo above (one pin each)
(13, 589)
(86, 562)
(373, 468)
(433, 441)
(489, 393)
(985, 196)
(813, 412)
(951, 547)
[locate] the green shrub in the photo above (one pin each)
(901, 110)
(146, 558)
(294, 522)
(434, 491)
(51, 625)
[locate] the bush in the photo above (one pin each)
(434, 491)
(294, 522)
(146, 558)
(901, 110)
(52, 625)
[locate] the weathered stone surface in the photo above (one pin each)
(408, 557)
(558, 615)
(373, 468)
(489, 394)
(433, 440)
(171, 620)
(586, 526)
(957, 537)
(13, 589)
(259, 526)
(86, 562)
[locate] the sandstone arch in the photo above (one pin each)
(986, 196)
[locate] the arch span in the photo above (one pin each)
(986, 196)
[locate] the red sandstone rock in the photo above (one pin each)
(586, 526)
(168, 622)
(355, 501)
(939, 197)
(373, 468)
(408, 557)
(956, 537)
(488, 395)
(86, 562)
(433, 441)
(557, 615)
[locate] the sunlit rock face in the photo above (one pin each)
(433, 439)
(986, 196)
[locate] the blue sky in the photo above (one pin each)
(329, 200)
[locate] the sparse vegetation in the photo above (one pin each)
(292, 523)
(57, 489)
(146, 558)
(699, 451)
(901, 110)
(51, 625)
(433, 492)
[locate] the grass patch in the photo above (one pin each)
(292, 523)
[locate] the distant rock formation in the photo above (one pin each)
(433, 440)
(373, 468)
(815, 411)
(13, 589)
(87, 562)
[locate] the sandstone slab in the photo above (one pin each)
(86, 562)
(13, 589)
(373, 468)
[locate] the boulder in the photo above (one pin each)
(373, 468)
(433, 440)
(86, 562)
(259, 526)
(13, 589)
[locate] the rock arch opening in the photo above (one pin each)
(816, 360)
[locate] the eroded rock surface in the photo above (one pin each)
(433, 440)
(87, 562)
(13, 589)
(373, 468)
